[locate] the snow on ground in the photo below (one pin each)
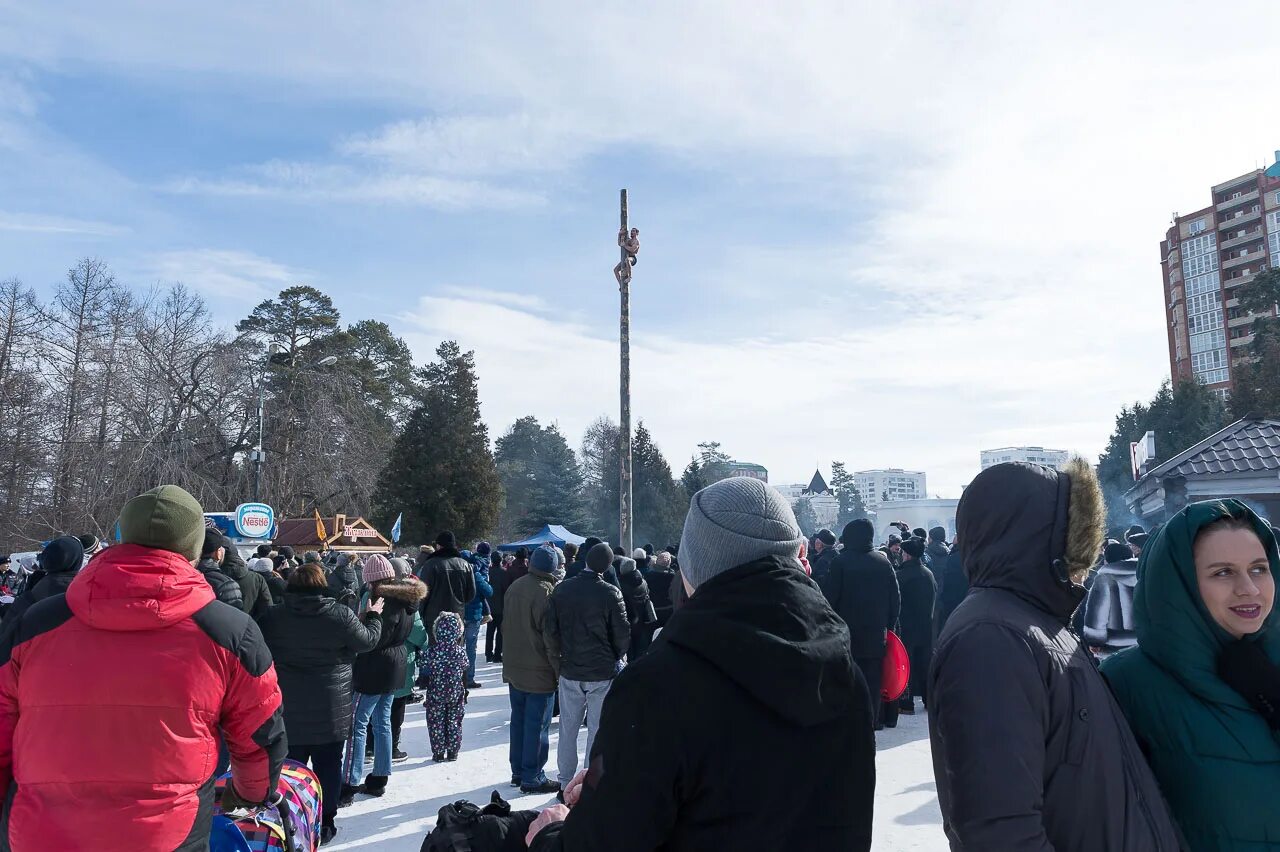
(907, 817)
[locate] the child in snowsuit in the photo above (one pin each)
(446, 687)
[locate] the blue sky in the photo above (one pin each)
(879, 233)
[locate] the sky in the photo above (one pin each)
(891, 234)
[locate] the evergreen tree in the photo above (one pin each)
(806, 517)
(660, 502)
(847, 496)
(600, 471)
(1181, 416)
(541, 480)
(713, 464)
(692, 479)
(1256, 379)
(441, 473)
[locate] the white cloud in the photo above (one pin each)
(224, 275)
(33, 223)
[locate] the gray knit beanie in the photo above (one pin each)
(733, 522)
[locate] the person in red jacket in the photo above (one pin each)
(112, 697)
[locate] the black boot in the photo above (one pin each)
(348, 795)
(327, 832)
(374, 785)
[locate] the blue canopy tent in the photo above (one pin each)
(553, 533)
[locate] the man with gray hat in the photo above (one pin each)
(750, 681)
(530, 664)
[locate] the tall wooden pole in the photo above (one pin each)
(624, 437)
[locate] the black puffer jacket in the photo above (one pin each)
(58, 565)
(451, 581)
(863, 590)
(253, 586)
(821, 564)
(382, 669)
(587, 621)
(1030, 750)
(756, 656)
(314, 639)
(224, 588)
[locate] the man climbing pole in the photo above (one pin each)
(631, 245)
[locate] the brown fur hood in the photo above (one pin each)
(409, 590)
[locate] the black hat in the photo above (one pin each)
(89, 542)
(62, 555)
(1132, 531)
(1139, 540)
(919, 533)
(4, 559)
(618, 551)
(827, 537)
(212, 541)
(1117, 552)
(264, 550)
(447, 541)
(893, 539)
(286, 551)
(938, 534)
(600, 557)
(913, 547)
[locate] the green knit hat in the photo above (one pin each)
(166, 518)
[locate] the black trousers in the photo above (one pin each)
(493, 638)
(326, 762)
(921, 656)
(873, 673)
(397, 719)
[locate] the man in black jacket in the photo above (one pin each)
(754, 682)
(919, 593)
(953, 585)
(824, 554)
(1030, 749)
(863, 590)
(450, 579)
(587, 621)
(212, 553)
(56, 566)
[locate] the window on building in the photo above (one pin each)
(1203, 284)
(1196, 227)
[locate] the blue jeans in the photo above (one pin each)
(530, 734)
(471, 631)
(375, 708)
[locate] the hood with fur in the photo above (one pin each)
(1032, 531)
(409, 590)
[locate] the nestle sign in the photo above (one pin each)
(255, 520)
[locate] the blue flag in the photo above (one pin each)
(395, 528)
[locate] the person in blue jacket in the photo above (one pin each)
(474, 614)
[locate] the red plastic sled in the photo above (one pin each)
(896, 673)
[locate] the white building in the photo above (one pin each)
(1055, 459)
(916, 514)
(891, 485)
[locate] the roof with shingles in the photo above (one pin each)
(1247, 446)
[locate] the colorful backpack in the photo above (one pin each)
(291, 826)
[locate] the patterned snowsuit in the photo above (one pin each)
(446, 693)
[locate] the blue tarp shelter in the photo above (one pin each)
(553, 533)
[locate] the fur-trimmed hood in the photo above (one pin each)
(409, 590)
(1033, 531)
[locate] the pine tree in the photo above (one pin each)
(440, 472)
(806, 517)
(541, 480)
(847, 496)
(660, 503)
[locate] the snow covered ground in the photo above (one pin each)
(907, 817)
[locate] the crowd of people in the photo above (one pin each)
(1083, 693)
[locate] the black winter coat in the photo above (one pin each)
(821, 564)
(45, 587)
(314, 639)
(863, 590)
(635, 591)
(659, 583)
(767, 690)
(919, 592)
(253, 586)
(497, 579)
(1030, 750)
(588, 623)
(451, 581)
(224, 588)
(382, 669)
(953, 585)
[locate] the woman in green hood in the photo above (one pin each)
(1202, 689)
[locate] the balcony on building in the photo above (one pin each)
(1252, 236)
(1239, 260)
(1240, 342)
(1241, 217)
(1244, 198)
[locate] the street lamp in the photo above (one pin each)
(258, 455)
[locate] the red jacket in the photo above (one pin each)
(110, 701)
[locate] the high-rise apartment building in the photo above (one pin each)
(881, 486)
(1034, 455)
(1206, 256)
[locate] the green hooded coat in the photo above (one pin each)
(1217, 761)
